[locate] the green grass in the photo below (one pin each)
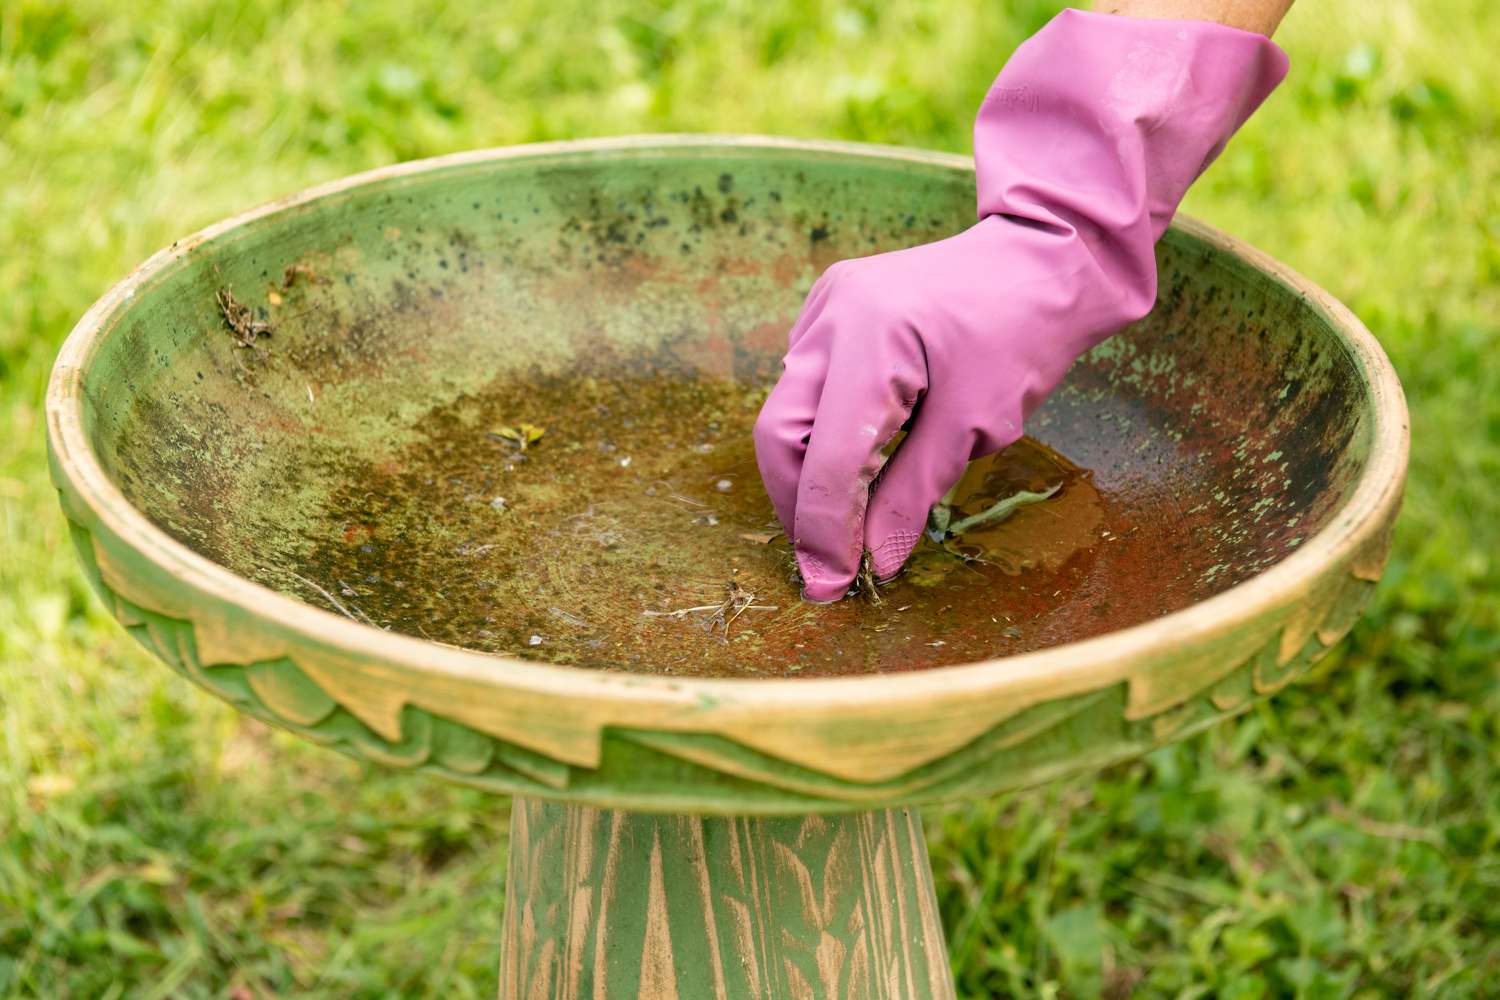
(1341, 841)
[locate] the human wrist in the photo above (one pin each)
(1261, 16)
(1100, 119)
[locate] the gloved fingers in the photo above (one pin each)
(863, 405)
(785, 421)
(812, 305)
(783, 428)
(929, 461)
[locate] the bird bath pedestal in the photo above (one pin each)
(606, 903)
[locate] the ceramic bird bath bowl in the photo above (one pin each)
(448, 466)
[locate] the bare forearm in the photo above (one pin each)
(1252, 15)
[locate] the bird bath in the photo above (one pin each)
(447, 466)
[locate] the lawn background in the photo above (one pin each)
(1341, 841)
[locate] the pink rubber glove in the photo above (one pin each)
(1083, 147)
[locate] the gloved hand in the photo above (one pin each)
(1083, 147)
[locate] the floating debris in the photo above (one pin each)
(865, 584)
(294, 271)
(760, 537)
(566, 617)
(941, 525)
(474, 548)
(240, 318)
(716, 618)
(350, 611)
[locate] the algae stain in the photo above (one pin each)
(634, 535)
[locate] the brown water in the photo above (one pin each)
(615, 539)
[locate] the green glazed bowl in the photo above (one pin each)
(1252, 425)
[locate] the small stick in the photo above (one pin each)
(355, 607)
(724, 614)
(327, 596)
(865, 582)
(681, 612)
(568, 617)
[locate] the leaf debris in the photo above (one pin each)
(760, 537)
(941, 525)
(294, 271)
(523, 436)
